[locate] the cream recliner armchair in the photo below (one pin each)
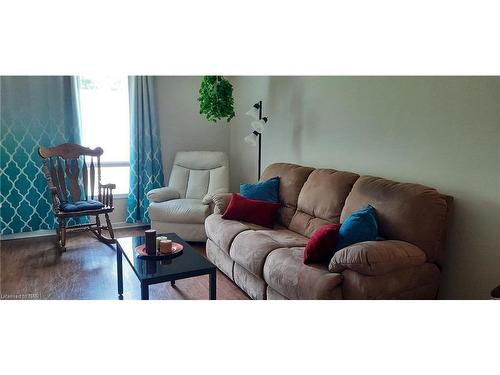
(183, 205)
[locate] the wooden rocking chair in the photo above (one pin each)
(67, 168)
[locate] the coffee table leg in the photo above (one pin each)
(144, 291)
(172, 283)
(119, 271)
(212, 285)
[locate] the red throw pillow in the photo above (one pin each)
(251, 210)
(321, 245)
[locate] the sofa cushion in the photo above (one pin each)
(251, 210)
(321, 200)
(406, 212)
(285, 272)
(360, 226)
(222, 232)
(250, 249)
(179, 211)
(265, 191)
(292, 178)
(320, 247)
(285, 237)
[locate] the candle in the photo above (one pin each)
(150, 235)
(158, 239)
(165, 246)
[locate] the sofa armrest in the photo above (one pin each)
(377, 257)
(208, 198)
(163, 194)
(220, 202)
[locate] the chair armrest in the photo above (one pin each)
(377, 257)
(220, 202)
(163, 194)
(208, 198)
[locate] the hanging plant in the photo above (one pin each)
(216, 98)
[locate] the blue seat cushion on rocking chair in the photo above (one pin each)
(81, 206)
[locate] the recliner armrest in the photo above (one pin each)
(377, 257)
(163, 194)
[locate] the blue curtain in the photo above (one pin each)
(34, 111)
(146, 171)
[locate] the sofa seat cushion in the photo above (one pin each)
(179, 211)
(285, 272)
(285, 237)
(222, 232)
(250, 249)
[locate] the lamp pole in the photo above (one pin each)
(260, 140)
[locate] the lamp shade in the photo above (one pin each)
(259, 125)
(253, 112)
(251, 139)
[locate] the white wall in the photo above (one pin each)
(443, 132)
(182, 128)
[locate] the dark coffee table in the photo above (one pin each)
(179, 266)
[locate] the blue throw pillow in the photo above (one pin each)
(265, 191)
(360, 226)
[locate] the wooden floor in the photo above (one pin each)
(34, 269)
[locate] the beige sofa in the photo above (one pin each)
(268, 263)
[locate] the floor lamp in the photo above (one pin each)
(258, 127)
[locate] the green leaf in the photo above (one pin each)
(216, 98)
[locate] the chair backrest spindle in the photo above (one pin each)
(92, 178)
(62, 167)
(85, 178)
(61, 179)
(99, 177)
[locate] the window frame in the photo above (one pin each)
(107, 164)
(110, 164)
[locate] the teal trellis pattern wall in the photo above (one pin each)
(34, 111)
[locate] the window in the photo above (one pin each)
(104, 106)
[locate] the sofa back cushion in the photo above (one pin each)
(407, 212)
(321, 200)
(292, 178)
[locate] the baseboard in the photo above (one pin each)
(51, 232)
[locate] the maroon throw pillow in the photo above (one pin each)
(321, 245)
(251, 210)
